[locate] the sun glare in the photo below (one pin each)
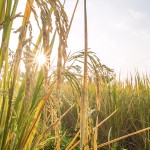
(40, 59)
(22, 66)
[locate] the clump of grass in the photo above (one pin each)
(128, 127)
(106, 112)
(23, 97)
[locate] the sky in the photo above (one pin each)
(118, 32)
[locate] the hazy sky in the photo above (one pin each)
(119, 32)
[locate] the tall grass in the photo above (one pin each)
(129, 126)
(23, 98)
(62, 107)
(132, 100)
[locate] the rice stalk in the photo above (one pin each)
(84, 102)
(123, 137)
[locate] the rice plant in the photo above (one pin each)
(76, 104)
(23, 97)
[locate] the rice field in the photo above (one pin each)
(74, 104)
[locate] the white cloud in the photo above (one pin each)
(123, 25)
(136, 14)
